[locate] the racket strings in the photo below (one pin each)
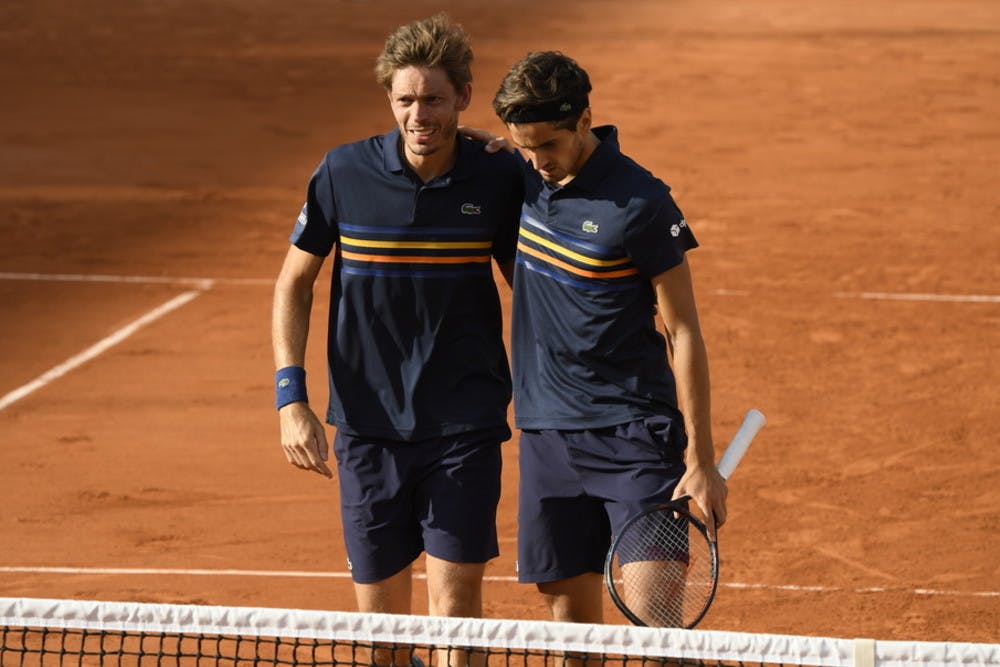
(664, 569)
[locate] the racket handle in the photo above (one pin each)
(741, 442)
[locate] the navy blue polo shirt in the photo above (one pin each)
(415, 345)
(585, 349)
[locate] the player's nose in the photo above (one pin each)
(420, 112)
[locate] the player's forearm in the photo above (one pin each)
(694, 394)
(507, 271)
(290, 321)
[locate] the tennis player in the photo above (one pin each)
(418, 374)
(614, 418)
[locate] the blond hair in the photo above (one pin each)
(430, 42)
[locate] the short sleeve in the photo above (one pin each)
(657, 239)
(316, 228)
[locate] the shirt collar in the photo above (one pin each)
(390, 154)
(600, 161)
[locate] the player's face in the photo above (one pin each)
(426, 106)
(556, 154)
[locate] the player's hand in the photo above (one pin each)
(303, 438)
(707, 488)
(493, 143)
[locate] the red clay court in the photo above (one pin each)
(837, 162)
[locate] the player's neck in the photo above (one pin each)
(431, 166)
(590, 144)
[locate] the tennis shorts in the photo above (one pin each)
(398, 499)
(577, 488)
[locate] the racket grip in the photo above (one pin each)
(752, 423)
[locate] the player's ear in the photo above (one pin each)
(584, 123)
(464, 97)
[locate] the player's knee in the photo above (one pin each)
(455, 589)
(574, 600)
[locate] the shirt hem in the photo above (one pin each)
(416, 435)
(581, 424)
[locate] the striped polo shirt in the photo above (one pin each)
(415, 345)
(585, 349)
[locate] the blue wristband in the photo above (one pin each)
(290, 386)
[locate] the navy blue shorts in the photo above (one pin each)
(398, 499)
(577, 487)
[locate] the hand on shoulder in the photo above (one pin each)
(494, 144)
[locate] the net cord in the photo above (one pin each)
(708, 645)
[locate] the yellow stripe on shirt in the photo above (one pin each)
(583, 259)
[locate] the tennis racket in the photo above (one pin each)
(662, 569)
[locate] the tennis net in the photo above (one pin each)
(37, 632)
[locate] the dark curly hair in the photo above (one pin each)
(543, 84)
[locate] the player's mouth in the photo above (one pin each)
(422, 134)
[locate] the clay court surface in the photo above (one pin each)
(838, 162)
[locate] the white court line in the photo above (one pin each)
(205, 283)
(200, 283)
(870, 589)
(490, 578)
(88, 194)
(947, 298)
(96, 349)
